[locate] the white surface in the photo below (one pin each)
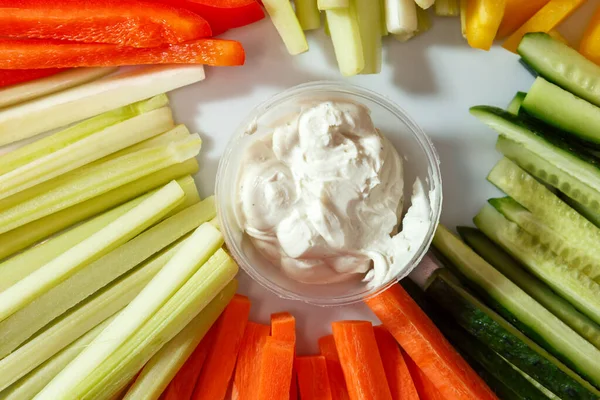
(435, 78)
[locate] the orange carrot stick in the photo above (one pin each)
(312, 378)
(426, 389)
(277, 361)
(361, 363)
(396, 371)
(283, 327)
(220, 361)
(245, 382)
(182, 385)
(337, 382)
(427, 347)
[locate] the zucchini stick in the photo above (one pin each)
(287, 24)
(369, 18)
(345, 35)
(308, 14)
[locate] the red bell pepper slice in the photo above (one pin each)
(126, 22)
(34, 54)
(9, 77)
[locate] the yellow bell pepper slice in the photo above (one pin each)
(552, 14)
(590, 43)
(518, 12)
(483, 19)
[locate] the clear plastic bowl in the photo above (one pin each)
(420, 160)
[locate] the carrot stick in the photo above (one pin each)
(245, 382)
(426, 389)
(283, 327)
(277, 361)
(361, 363)
(182, 386)
(427, 347)
(313, 380)
(337, 382)
(220, 361)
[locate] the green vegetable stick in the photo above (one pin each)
(91, 181)
(308, 14)
(79, 320)
(424, 4)
(285, 21)
(447, 8)
(369, 18)
(345, 35)
(28, 234)
(142, 328)
(383, 22)
(66, 137)
(332, 4)
(17, 328)
(89, 250)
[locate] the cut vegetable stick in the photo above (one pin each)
(245, 381)
(75, 104)
(28, 234)
(360, 360)
(590, 42)
(18, 327)
(401, 16)
(516, 13)
(424, 4)
(463, 17)
(312, 378)
(426, 389)
(345, 35)
(91, 181)
(287, 24)
(332, 4)
(447, 8)
(337, 382)
(483, 20)
(308, 14)
(277, 362)
(41, 87)
(369, 19)
(102, 242)
(214, 379)
(283, 327)
(10, 77)
(546, 19)
(60, 140)
(397, 373)
(182, 386)
(383, 22)
(423, 21)
(421, 339)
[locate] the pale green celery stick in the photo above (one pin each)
(91, 181)
(332, 4)
(17, 328)
(463, 17)
(31, 233)
(308, 14)
(18, 267)
(369, 18)
(79, 320)
(195, 251)
(60, 109)
(423, 21)
(163, 366)
(64, 138)
(86, 151)
(425, 4)
(41, 87)
(31, 384)
(345, 35)
(447, 8)
(383, 22)
(89, 250)
(326, 25)
(401, 17)
(287, 24)
(129, 359)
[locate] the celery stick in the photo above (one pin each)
(423, 21)
(308, 14)
(424, 4)
(326, 25)
(345, 35)
(332, 4)
(31, 384)
(79, 320)
(87, 150)
(85, 101)
(463, 17)
(401, 17)
(89, 250)
(383, 22)
(369, 18)
(447, 8)
(91, 181)
(17, 328)
(26, 235)
(41, 87)
(287, 24)
(64, 138)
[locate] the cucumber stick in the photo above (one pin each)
(287, 24)
(573, 285)
(550, 219)
(401, 17)
(332, 4)
(369, 19)
(555, 335)
(510, 268)
(308, 14)
(516, 102)
(590, 215)
(21, 325)
(563, 110)
(502, 338)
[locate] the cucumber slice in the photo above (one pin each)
(573, 285)
(345, 35)
(514, 303)
(562, 65)
(369, 19)
(580, 170)
(308, 14)
(563, 110)
(287, 24)
(502, 338)
(515, 103)
(586, 212)
(511, 268)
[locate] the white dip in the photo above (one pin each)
(321, 198)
